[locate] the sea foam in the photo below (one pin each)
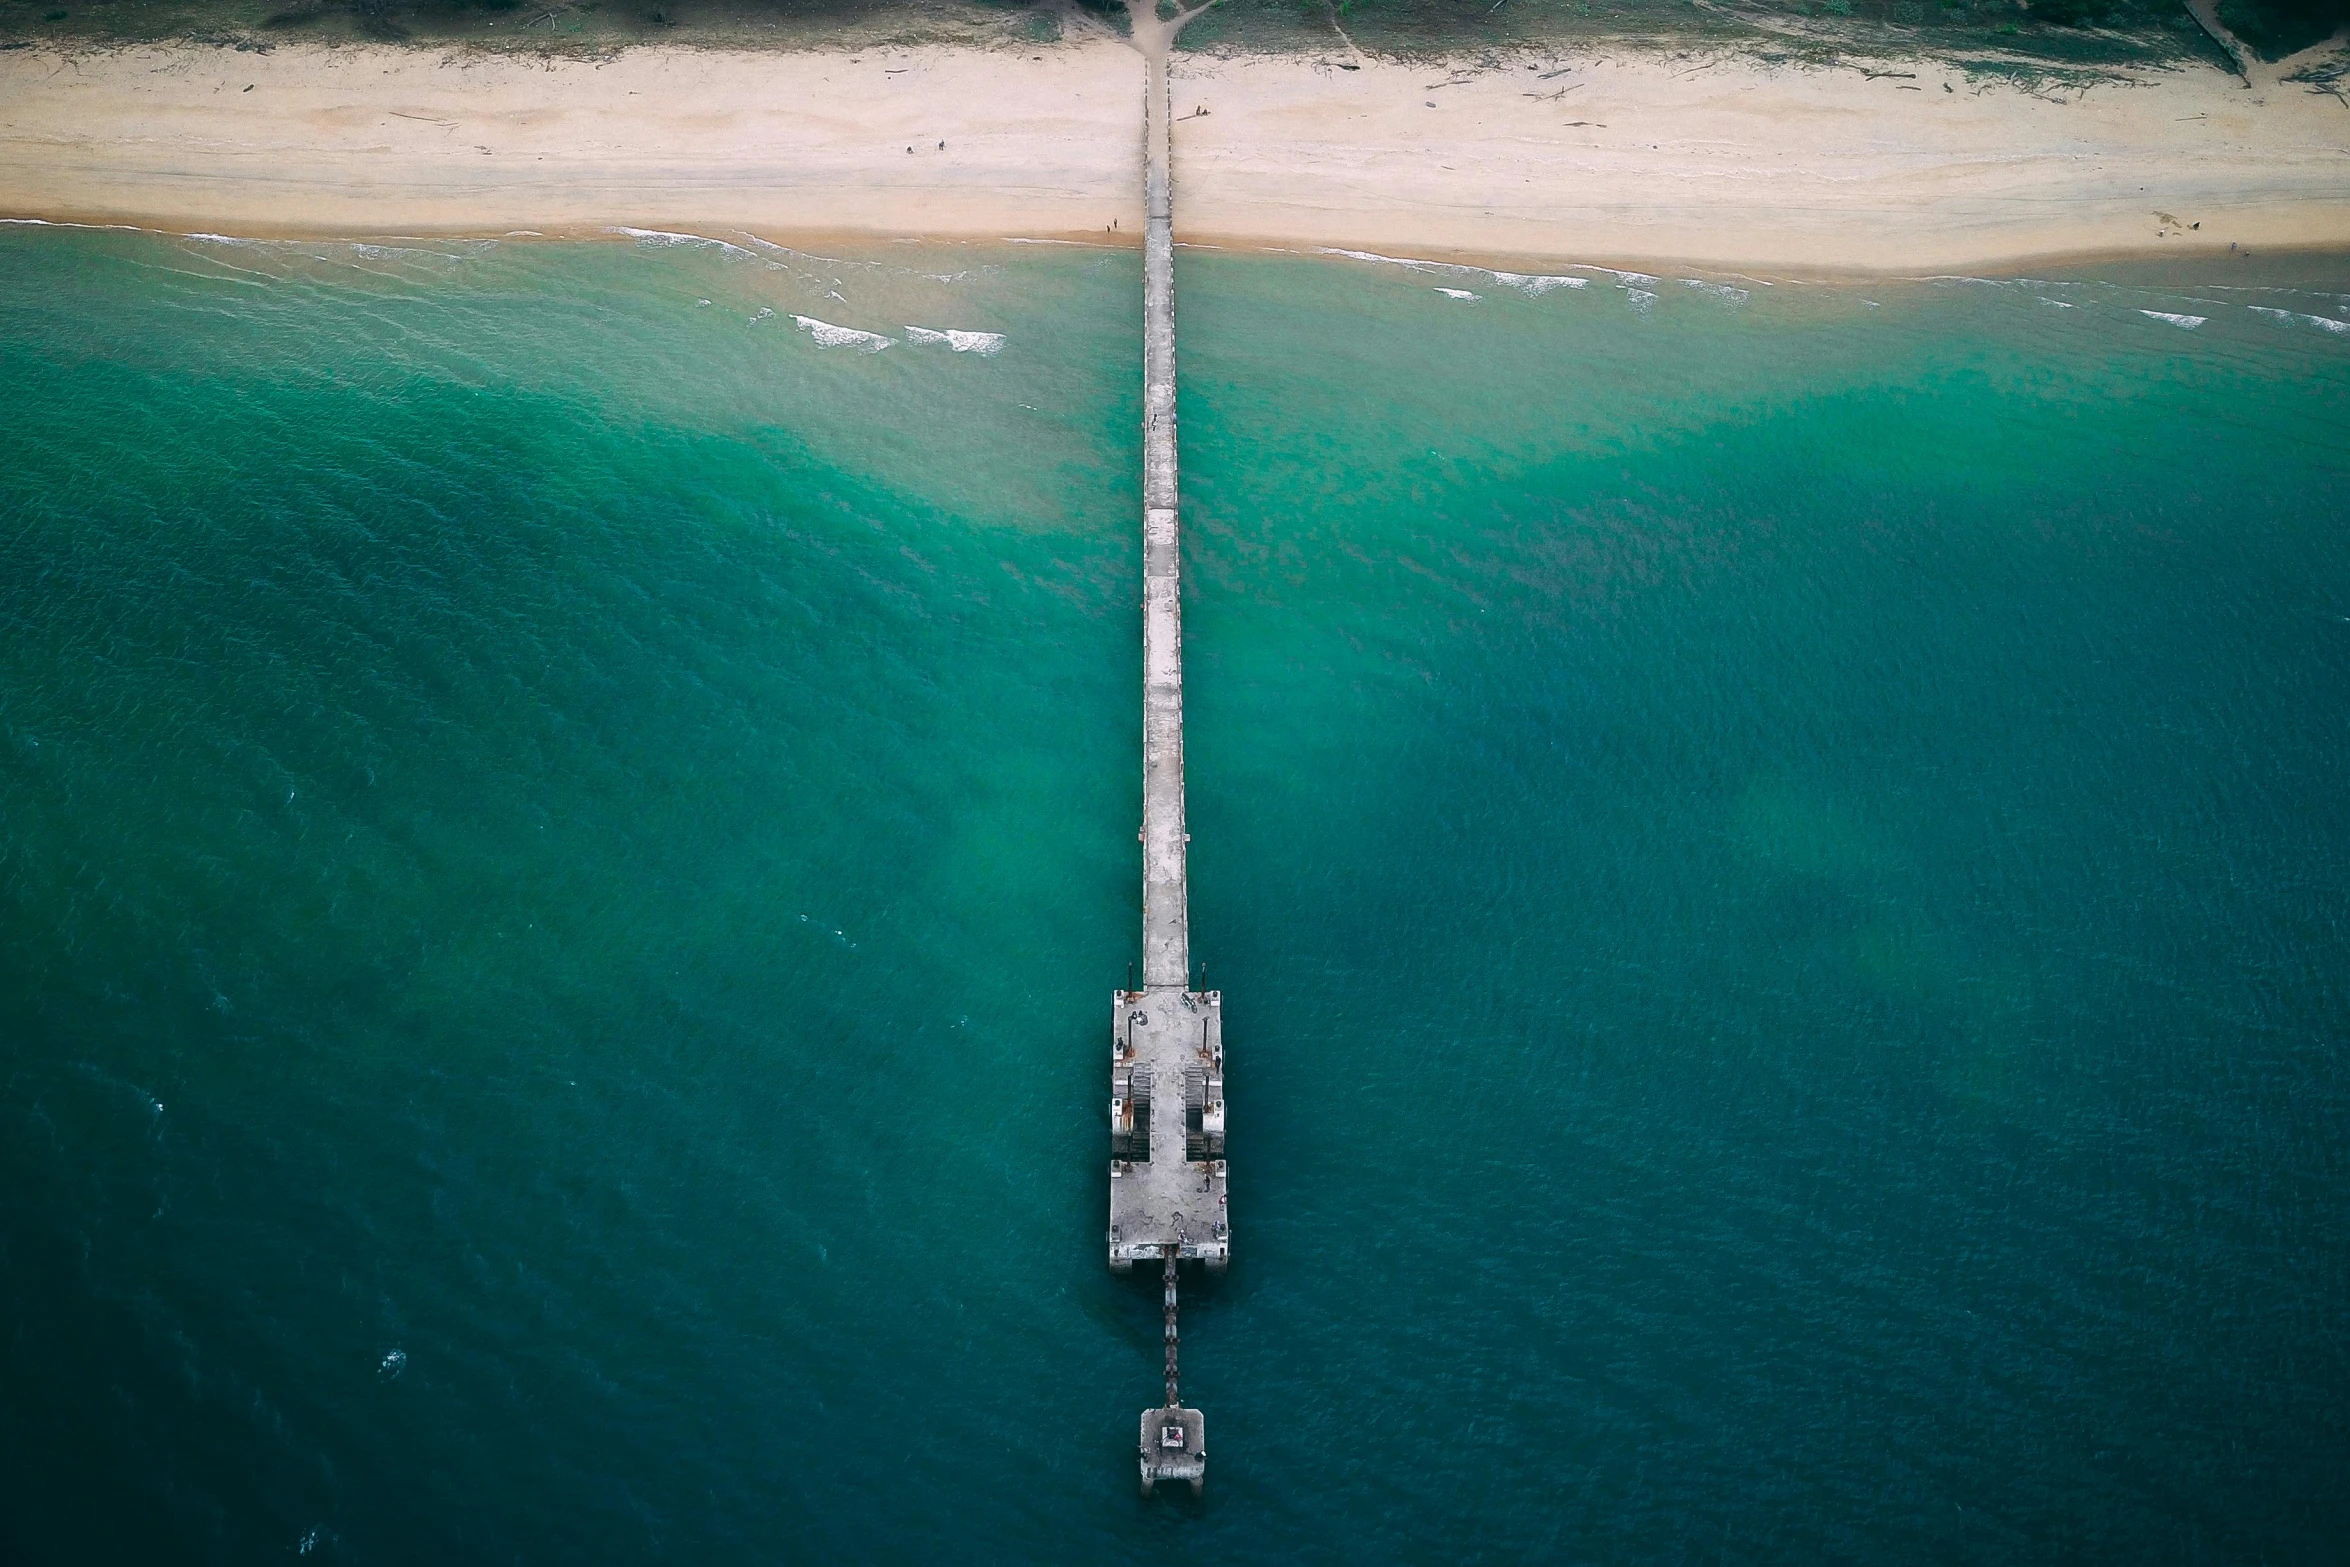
(669, 237)
(1536, 283)
(984, 344)
(2326, 322)
(1735, 295)
(829, 336)
(1523, 282)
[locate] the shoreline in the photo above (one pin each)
(1607, 158)
(857, 245)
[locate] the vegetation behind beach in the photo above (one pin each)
(1990, 36)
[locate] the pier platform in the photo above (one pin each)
(1174, 1447)
(1167, 1128)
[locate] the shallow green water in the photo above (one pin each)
(1777, 866)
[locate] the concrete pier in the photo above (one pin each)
(1166, 931)
(1167, 1128)
(1174, 1441)
(1167, 1197)
(1166, 1039)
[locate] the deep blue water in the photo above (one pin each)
(1778, 867)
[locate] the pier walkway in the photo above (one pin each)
(1167, 1039)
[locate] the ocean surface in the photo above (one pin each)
(1778, 858)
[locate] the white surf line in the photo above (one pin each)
(381, 241)
(49, 223)
(2327, 322)
(829, 336)
(672, 237)
(985, 344)
(1730, 292)
(792, 255)
(1523, 282)
(1536, 283)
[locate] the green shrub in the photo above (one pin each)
(2277, 28)
(2068, 13)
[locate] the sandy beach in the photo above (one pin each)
(1608, 156)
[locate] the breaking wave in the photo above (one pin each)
(2326, 322)
(984, 344)
(1736, 296)
(829, 336)
(668, 237)
(1523, 282)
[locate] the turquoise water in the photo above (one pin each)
(1777, 865)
